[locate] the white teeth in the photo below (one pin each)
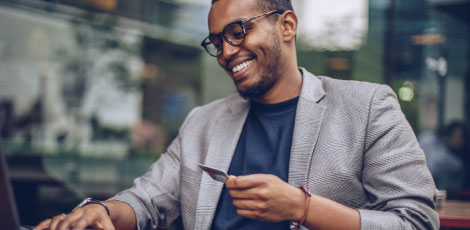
(241, 66)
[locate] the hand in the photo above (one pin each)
(90, 215)
(266, 197)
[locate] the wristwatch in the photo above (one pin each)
(88, 201)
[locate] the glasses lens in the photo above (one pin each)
(234, 33)
(211, 45)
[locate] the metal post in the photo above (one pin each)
(389, 45)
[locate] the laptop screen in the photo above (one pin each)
(8, 214)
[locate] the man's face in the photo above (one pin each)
(254, 64)
(456, 139)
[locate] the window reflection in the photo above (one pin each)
(92, 92)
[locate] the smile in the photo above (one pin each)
(241, 66)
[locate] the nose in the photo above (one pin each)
(228, 50)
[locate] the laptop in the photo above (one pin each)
(8, 215)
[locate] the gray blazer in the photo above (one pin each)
(351, 144)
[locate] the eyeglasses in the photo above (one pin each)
(234, 34)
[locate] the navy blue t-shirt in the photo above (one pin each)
(264, 147)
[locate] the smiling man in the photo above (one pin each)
(263, 69)
(303, 151)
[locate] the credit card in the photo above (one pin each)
(216, 174)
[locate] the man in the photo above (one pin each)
(444, 151)
(347, 142)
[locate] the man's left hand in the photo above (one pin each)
(266, 197)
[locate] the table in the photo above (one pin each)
(455, 214)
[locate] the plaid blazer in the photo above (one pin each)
(351, 144)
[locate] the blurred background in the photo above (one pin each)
(93, 91)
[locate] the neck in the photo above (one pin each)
(287, 87)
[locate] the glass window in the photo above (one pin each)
(92, 92)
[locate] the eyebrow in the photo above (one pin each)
(236, 20)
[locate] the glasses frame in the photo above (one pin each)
(206, 42)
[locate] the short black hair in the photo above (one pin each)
(449, 129)
(268, 5)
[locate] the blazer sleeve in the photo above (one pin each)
(154, 197)
(395, 176)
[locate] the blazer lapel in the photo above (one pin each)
(225, 137)
(222, 147)
(309, 117)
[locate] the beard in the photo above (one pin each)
(258, 89)
(270, 77)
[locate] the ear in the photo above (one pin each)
(288, 21)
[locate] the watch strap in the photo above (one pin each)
(88, 201)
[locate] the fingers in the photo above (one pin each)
(251, 193)
(56, 221)
(260, 210)
(248, 181)
(102, 223)
(107, 224)
(83, 222)
(66, 222)
(264, 197)
(250, 205)
(79, 224)
(43, 225)
(252, 214)
(255, 186)
(79, 219)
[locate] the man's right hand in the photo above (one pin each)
(92, 215)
